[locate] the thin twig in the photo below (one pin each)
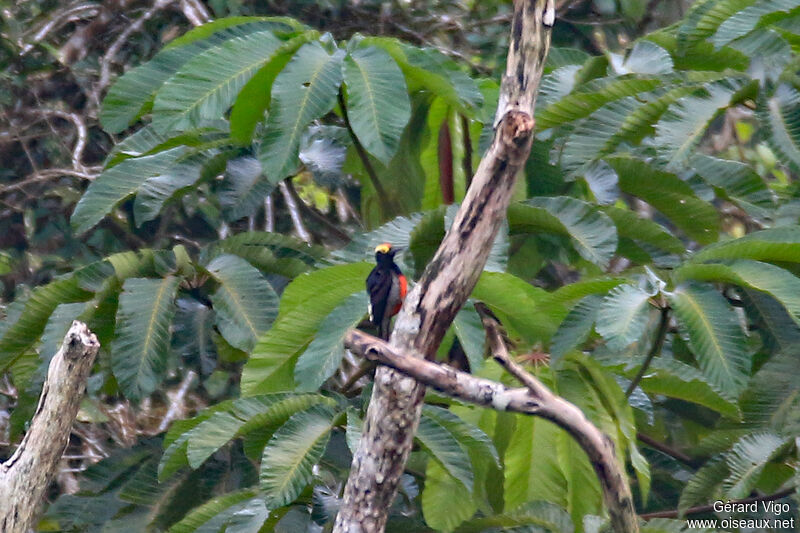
(113, 50)
(383, 197)
(294, 212)
(655, 349)
(269, 214)
(667, 450)
(176, 403)
(365, 368)
(44, 175)
(58, 19)
(318, 217)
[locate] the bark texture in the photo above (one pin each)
(27, 474)
(394, 410)
(535, 399)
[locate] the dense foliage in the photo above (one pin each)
(652, 251)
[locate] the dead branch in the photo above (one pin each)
(535, 399)
(449, 278)
(294, 212)
(27, 474)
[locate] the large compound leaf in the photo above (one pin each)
(305, 90)
(704, 18)
(21, 330)
(774, 244)
(119, 182)
(764, 277)
(270, 252)
(667, 193)
(304, 305)
(244, 188)
(541, 516)
(139, 352)
(592, 232)
(715, 336)
(781, 113)
(291, 453)
(685, 122)
(446, 502)
(255, 97)
(243, 416)
(594, 95)
(747, 460)
(213, 514)
(206, 86)
(429, 69)
(705, 485)
(748, 18)
(132, 92)
(245, 302)
(623, 316)
(739, 181)
(674, 379)
(445, 448)
(576, 326)
(643, 230)
(325, 353)
(377, 100)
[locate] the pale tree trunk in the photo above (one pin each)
(24, 478)
(394, 410)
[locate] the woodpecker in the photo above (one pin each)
(387, 287)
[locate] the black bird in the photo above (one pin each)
(387, 287)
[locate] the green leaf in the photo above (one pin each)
(592, 232)
(377, 100)
(139, 352)
(667, 193)
(715, 336)
(589, 98)
(291, 453)
(430, 70)
(541, 515)
(507, 294)
(212, 515)
(705, 485)
(646, 57)
(445, 448)
(119, 182)
(305, 90)
(705, 17)
(206, 85)
(747, 460)
(774, 244)
(576, 326)
(244, 188)
(22, 331)
(532, 470)
(132, 92)
(739, 181)
(471, 335)
(254, 98)
(245, 303)
(623, 316)
(685, 122)
(764, 277)
(241, 417)
(155, 191)
(772, 398)
(446, 502)
(304, 305)
(747, 19)
(670, 377)
(324, 355)
(643, 230)
(270, 252)
(781, 113)
(472, 438)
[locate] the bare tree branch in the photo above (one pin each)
(294, 212)
(27, 474)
